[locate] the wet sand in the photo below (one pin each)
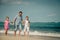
(30, 37)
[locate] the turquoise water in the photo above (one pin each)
(39, 26)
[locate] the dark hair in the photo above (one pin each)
(20, 11)
(27, 16)
(7, 17)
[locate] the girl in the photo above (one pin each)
(6, 25)
(26, 25)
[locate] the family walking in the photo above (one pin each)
(18, 22)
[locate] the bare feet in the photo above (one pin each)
(14, 33)
(6, 32)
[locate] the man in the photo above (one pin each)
(18, 22)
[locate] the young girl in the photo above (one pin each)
(6, 25)
(26, 25)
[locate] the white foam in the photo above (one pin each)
(35, 33)
(45, 34)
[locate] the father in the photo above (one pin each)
(18, 22)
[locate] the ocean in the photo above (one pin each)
(39, 27)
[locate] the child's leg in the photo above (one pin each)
(6, 32)
(27, 30)
(28, 33)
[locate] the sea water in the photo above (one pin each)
(38, 28)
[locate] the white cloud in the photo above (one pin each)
(52, 14)
(20, 2)
(27, 3)
(14, 2)
(4, 1)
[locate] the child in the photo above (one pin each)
(6, 25)
(26, 25)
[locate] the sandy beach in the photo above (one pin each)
(31, 37)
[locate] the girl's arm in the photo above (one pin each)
(29, 24)
(11, 23)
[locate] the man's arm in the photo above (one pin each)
(14, 20)
(21, 18)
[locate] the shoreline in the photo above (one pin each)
(33, 34)
(30, 37)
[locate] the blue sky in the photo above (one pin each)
(37, 10)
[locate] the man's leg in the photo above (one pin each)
(20, 29)
(15, 30)
(19, 32)
(15, 33)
